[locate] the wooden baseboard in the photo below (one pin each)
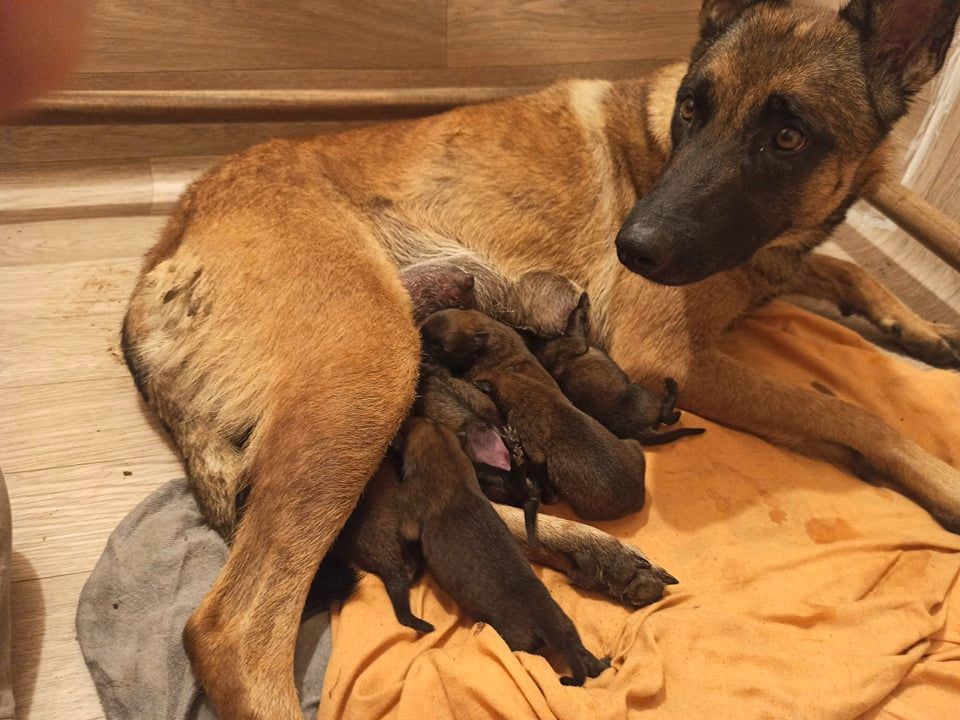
(174, 106)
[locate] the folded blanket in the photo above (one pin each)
(804, 592)
(157, 566)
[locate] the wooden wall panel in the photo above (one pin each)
(151, 35)
(534, 32)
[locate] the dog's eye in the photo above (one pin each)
(790, 139)
(688, 108)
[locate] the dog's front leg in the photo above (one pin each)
(854, 290)
(722, 389)
(592, 559)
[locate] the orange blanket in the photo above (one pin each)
(805, 593)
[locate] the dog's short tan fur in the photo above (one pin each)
(269, 330)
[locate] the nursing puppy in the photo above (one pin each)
(601, 476)
(371, 541)
(596, 384)
(472, 554)
(494, 448)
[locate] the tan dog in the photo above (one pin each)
(271, 334)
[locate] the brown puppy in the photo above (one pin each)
(371, 540)
(598, 474)
(596, 384)
(472, 554)
(493, 447)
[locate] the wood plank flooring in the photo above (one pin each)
(77, 447)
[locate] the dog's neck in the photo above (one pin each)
(638, 115)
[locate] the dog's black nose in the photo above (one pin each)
(642, 249)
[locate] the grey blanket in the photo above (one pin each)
(157, 566)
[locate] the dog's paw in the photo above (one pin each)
(619, 570)
(934, 343)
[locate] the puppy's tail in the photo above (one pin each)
(655, 438)
(530, 509)
(398, 590)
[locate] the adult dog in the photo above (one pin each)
(270, 332)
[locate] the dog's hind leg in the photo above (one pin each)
(334, 407)
(855, 291)
(722, 389)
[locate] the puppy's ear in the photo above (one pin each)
(905, 43)
(717, 15)
(481, 339)
(484, 386)
(578, 324)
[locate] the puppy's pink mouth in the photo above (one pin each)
(484, 445)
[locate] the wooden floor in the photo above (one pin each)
(77, 447)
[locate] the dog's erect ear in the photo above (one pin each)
(906, 43)
(480, 339)
(717, 15)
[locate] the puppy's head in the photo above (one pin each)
(456, 338)
(434, 452)
(553, 352)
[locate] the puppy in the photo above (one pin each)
(596, 384)
(371, 540)
(600, 475)
(471, 553)
(494, 449)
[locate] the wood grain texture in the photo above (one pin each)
(933, 229)
(536, 32)
(95, 189)
(50, 191)
(149, 35)
(265, 105)
(50, 679)
(64, 515)
(57, 241)
(65, 290)
(71, 428)
(71, 143)
(314, 78)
